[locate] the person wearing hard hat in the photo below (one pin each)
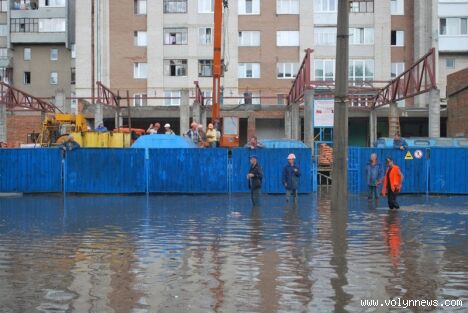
(168, 130)
(291, 175)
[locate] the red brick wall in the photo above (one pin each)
(19, 125)
(457, 107)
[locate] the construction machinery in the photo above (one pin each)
(57, 126)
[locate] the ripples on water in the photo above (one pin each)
(212, 254)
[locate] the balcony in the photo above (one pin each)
(455, 43)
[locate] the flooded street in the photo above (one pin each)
(217, 254)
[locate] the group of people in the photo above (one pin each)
(209, 139)
(154, 129)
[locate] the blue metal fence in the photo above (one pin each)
(30, 170)
(448, 170)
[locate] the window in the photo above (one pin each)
(139, 7)
(205, 6)
(281, 99)
(3, 53)
(140, 39)
(397, 38)
(54, 54)
(140, 99)
(397, 69)
(205, 36)
(249, 70)
(4, 6)
(4, 30)
(366, 6)
(246, 7)
(325, 5)
(140, 70)
(361, 36)
(73, 51)
(360, 70)
(453, 26)
(287, 6)
(287, 38)
(27, 54)
(250, 98)
(205, 68)
(52, 25)
(175, 67)
(286, 70)
(325, 36)
(324, 69)
(172, 97)
(52, 3)
(73, 76)
(73, 102)
(249, 38)
(175, 36)
(175, 6)
(53, 78)
(450, 63)
(24, 25)
(397, 7)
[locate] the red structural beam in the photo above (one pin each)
(418, 79)
(15, 98)
(302, 81)
(106, 96)
(199, 97)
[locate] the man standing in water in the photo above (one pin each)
(255, 177)
(291, 175)
(374, 176)
(392, 183)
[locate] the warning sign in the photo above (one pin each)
(418, 154)
(408, 156)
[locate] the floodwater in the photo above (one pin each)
(217, 254)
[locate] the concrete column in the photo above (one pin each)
(393, 120)
(309, 118)
(196, 109)
(372, 127)
(287, 123)
(203, 116)
(434, 113)
(118, 119)
(98, 115)
(295, 122)
(184, 111)
(3, 123)
(251, 126)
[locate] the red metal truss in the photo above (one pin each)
(15, 98)
(106, 96)
(418, 79)
(199, 97)
(302, 81)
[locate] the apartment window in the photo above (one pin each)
(139, 7)
(140, 99)
(53, 78)
(4, 6)
(205, 68)
(281, 99)
(450, 63)
(246, 7)
(175, 67)
(324, 69)
(287, 38)
(73, 76)
(175, 36)
(396, 69)
(397, 38)
(361, 70)
(249, 38)
(205, 35)
(27, 78)
(366, 6)
(4, 30)
(3, 53)
(24, 25)
(287, 6)
(172, 97)
(73, 51)
(397, 7)
(361, 36)
(286, 70)
(54, 54)
(205, 6)
(175, 6)
(52, 25)
(140, 70)
(140, 39)
(325, 36)
(453, 26)
(250, 98)
(27, 54)
(52, 3)
(325, 5)
(249, 70)
(73, 102)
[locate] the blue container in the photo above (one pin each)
(163, 141)
(283, 143)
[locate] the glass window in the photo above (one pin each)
(73, 76)
(325, 5)
(27, 78)
(175, 67)
(4, 6)
(286, 70)
(139, 7)
(175, 36)
(397, 69)
(249, 38)
(172, 97)
(246, 7)
(205, 36)
(53, 78)
(73, 51)
(324, 69)
(287, 6)
(27, 54)
(54, 54)
(361, 36)
(450, 63)
(287, 38)
(397, 7)
(52, 25)
(175, 6)
(140, 39)
(397, 38)
(205, 68)
(205, 6)
(140, 71)
(3, 53)
(52, 3)
(325, 36)
(366, 6)
(249, 70)
(139, 99)
(360, 70)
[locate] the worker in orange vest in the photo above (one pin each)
(392, 183)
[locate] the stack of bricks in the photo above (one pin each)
(20, 124)
(457, 107)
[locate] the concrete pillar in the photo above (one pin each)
(251, 126)
(203, 116)
(309, 118)
(3, 123)
(118, 119)
(184, 111)
(61, 102)
(393, 120)
(287, 123)
(196, 109)
(372, 127)
(98, 115)
(434, 113)
(295, 122)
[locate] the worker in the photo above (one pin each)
(211, 136)
(392, 184)
(70, 144)
(201, 136)
(101, 128)
(254, 143)
(374, 176)
(290, 179)
(255, 177)
(399, 143)
(193, 133)
(168, 130)
(153, 129)
(218, 137)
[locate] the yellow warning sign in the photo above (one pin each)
(408, 156)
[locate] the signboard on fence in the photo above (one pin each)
(323, 112)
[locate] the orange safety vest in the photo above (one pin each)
(395, 178)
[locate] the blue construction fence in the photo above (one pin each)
(147, 170)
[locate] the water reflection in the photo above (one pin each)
(215, 254)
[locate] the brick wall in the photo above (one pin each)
(19, 125)
(457, 94)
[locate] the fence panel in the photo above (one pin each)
(188, 170)
(30, 170)
(449, 170)
(272, 162)
(105, 171)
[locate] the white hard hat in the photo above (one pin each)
(167, 125)
(291, 156)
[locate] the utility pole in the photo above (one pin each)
(339, 199)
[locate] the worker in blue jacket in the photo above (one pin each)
(291, 175)
(399, 143)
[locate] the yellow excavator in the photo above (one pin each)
(57, 126)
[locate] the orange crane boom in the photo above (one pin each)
(217, 66)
